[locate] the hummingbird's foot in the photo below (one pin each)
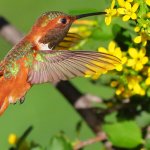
(22, 99)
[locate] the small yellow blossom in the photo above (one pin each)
(12, 139)
(122, 2)
(142, 38)
(138, 58)
(148, 15)
(116, 51)
(147, 81)
(120, 90)
(147, 2)
(110, 12)
(114, 83)
(134, 85)
(137, 29)
(128, 11)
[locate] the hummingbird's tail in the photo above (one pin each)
(12, 90)
(3, 96)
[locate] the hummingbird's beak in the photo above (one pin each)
(90, 14)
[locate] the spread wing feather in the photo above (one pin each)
(54, 65)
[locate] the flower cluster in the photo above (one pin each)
(133, 75)
(132, 10)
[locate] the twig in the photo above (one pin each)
(82, 144)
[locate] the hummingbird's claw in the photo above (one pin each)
(22, 99)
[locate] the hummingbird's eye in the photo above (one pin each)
(63, 20)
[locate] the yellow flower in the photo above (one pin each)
(114, 83)
(148, 15)
(128, 10)
(122, 2)
(134, 85)
(147, 2)
(116, 51)
(120, 90)
(12, 139)
(137, 29)
(142, 38)
(138, 58)
(147, 81)
(110, 12)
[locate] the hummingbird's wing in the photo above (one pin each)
(69, 41)
(53, 65)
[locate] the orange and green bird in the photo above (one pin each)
(42, 56)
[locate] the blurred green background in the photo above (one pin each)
(45, 108)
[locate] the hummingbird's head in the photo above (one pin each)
(52, 27)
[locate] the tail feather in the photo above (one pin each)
(3, 105)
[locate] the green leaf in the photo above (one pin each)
(143, 9)
(111, 118)
(148, 92)
(147, 144)
(36, 148)
(59, 143)
(144, 119)
(124, 134)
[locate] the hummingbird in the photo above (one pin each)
(43, 56)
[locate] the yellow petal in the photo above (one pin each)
(144, 43)
(138, 66)
(137, 88)
(138, 39)
(130, 1)
(124, 60)
(137, 29)
(96, 76)
(142, 53)
(112, 4)
(12, 139)
(125, 17)
(118, 52)
(113, 12)
(119, 67)
(142, 92)
(121, 3)
(147, 82)
(114, 83)
(131, 62)
(127, 5)
(102, 49)
(121, 11)
(108, 20)
(144, 60)
(135, 7)
(148, 2)
(133, 52)
(148, 14)
(111, 46)
(133, 16)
